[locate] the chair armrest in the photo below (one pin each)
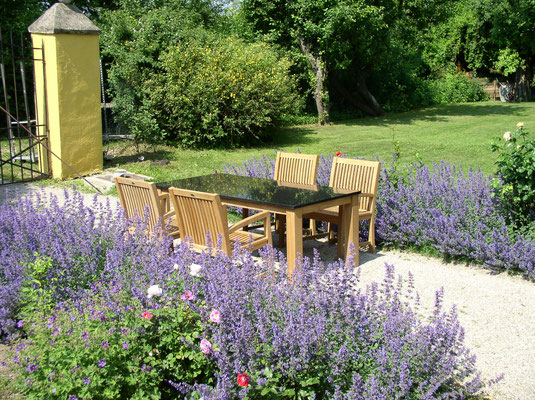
(370, 195)
(165, 201)
(266, 216)
(169, 214)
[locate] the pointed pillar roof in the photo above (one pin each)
(64, 18)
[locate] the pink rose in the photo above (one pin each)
(215, 316)
(146, 315)
(187, 296)
(206, 346)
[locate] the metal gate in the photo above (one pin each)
(23, 144)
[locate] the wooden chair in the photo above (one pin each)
(199, 213)
(136, 195)
(350, 174)
(292, 168)
(295, 168)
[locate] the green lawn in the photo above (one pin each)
(458, 133)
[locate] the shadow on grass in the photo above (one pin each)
(288, 136)
(440, 113)
(145, 154)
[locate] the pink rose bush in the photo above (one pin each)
(206, 346)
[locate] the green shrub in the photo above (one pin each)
(516, 169)
(456, 88)
(221, 93)
(174, 81)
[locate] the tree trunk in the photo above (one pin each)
(521, 85)
(365, 102)
(366, 95)
(321, 94)
(529, 74)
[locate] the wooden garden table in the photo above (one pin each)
(283, 198)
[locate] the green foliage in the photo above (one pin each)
(516, 168)
(174, 81)
(456, 88)
(353, 41)
(508, 61)
(222, 93)
(112, 346)
(485, 34)
(398, 83)
(17, 15)
(37, 289)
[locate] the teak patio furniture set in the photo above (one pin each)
(191, 208)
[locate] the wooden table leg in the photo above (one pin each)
(348, 229)
(294, 239)
(343, 230)
(354, 226)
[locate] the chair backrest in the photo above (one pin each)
(136, 195)
(351, 174)
(296, 168)
(199, 213)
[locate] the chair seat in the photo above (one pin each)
(171, 228)
(244, 237)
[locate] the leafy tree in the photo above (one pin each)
(342, 40)
(488, 34)
(512, 32)
(17, 15)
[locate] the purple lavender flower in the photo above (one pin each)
(125, 345)
(146, 368)
(101, 363)
(31, 368)
(86, 381)
(104, 344)
(20, 323)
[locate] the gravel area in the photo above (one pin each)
(497, 311)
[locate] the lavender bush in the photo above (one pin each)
(85, 243)
(440, 208)
(261, 336)
(143, 321)
(454, 213)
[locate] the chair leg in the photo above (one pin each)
(281, 229)
(313, 230)
(371, 235)
(245, 214)
(330, 229)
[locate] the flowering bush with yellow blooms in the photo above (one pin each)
(221, 93)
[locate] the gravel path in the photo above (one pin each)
(497, 311)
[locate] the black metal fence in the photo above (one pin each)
(20, 136)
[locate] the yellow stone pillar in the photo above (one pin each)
(67, 84)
